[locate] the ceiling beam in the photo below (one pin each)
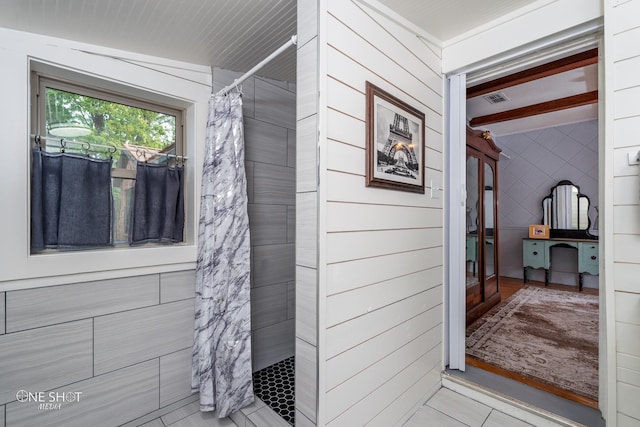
(541, 108)
(572, 62)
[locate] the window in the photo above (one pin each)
(86, 121)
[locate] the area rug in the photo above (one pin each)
(548, 335)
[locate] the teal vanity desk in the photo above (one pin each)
(536, 253)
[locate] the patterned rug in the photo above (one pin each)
(545, 334)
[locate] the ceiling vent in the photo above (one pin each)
(496, 97)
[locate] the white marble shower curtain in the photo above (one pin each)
(221, 365)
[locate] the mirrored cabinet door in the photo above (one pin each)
(482, 261)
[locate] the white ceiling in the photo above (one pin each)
(446, 19)
(231, 34)
(237, 34)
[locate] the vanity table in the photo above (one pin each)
(565, 211)
(536, 253)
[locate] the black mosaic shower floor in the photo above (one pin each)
(274, 385)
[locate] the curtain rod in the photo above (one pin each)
(245, 76)
(138, 150)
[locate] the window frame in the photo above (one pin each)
(176, 84)
(40, 82)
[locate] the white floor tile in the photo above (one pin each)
(427, 416)
(463, 409)
(180, 413)
(499, 419)
(204, 419)
(267, 417)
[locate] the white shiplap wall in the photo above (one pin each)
(381, 259)
(622, 31)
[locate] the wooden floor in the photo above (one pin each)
(508, 287)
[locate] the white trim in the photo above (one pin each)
(534, 58)
(455, 152)
(546, 24)
(608, 357)
(506, 404)
(539, 51)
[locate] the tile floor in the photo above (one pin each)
(254, 415)
(450, 409)
(445, 409)
(275, 386)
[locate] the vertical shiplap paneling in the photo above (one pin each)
(384, 249)
(623, 53)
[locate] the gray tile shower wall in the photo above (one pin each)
(108, 351)
(2, 313)
(269, 109)
(306, 253)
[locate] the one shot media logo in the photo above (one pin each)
(46, 401)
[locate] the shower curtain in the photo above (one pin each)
(221, 363)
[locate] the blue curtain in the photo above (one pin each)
(71, 201)
(158, 204)
(221, 368)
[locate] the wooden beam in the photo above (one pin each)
(534, 110)
(556, 67)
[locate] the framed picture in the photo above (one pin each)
(395, 143)
(538, 231)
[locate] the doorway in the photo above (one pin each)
(505, 124)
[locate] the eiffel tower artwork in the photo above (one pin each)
(398, 156)
(395, 149)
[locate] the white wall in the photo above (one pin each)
(125, 342)
(380, 260)
(622, 189)
(187, 89)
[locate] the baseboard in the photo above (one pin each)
(506, 404)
